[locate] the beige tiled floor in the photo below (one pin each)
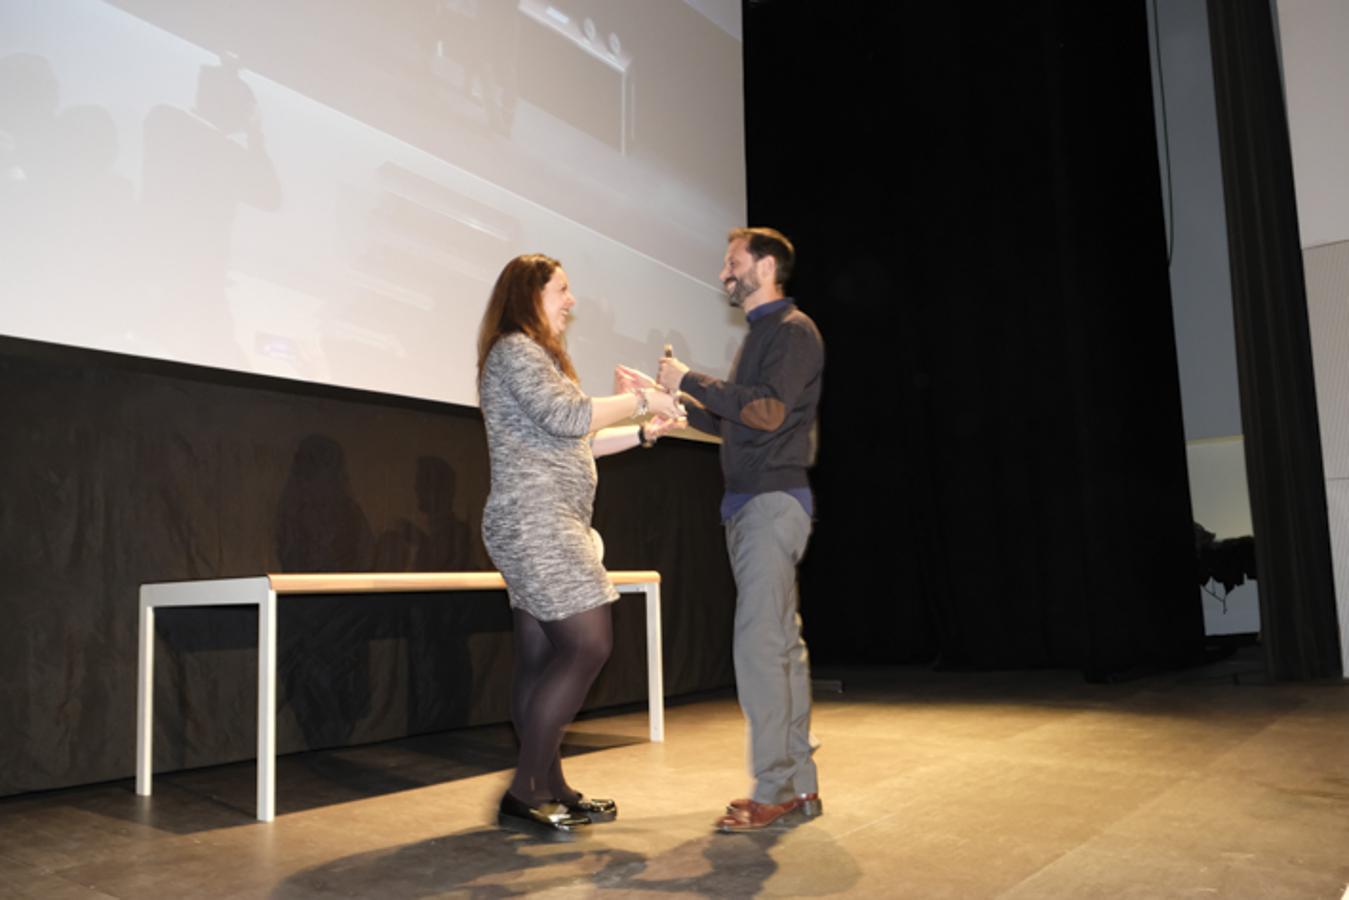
(1010, 785)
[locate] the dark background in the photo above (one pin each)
(975, 199)
(974, 194)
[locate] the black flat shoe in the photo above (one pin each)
(593, 810)
(550, 821)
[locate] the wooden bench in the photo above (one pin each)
(264, 590)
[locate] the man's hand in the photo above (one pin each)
(627, 380)
(671, 373)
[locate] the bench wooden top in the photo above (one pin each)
(363, 582)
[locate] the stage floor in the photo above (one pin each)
(961, 785)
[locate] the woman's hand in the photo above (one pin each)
(659, 403)
(627, 380)
(659, 426)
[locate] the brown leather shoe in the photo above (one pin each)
(810, 805)
(755, 816)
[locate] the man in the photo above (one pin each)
(764, 415)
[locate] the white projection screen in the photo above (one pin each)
(325, 190)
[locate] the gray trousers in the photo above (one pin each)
(766, 539)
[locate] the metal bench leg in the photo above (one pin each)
(267, 707)
(145, 699)
(655, 668)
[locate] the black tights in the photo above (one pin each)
(555, 664)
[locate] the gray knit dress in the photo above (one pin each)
(537, 522)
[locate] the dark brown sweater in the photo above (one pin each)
(766, 411)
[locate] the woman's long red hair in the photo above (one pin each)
(517, 306)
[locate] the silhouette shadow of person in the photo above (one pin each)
(435, 630)
(199, 166)
(324, 653)
(64, 210)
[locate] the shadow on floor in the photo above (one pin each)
(486, 863)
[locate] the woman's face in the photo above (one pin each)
(557, 301)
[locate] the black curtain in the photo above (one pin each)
(1274, 362)
(975, 197)
(115, 471)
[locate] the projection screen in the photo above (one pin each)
(325, 191)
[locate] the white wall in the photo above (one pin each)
(1314, 39)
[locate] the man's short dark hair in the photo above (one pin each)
(761, 242)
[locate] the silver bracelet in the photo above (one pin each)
(641, 403)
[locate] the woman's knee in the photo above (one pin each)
(587, 637)
(591, 648)
(597, 648)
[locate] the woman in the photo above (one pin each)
(543, 434)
